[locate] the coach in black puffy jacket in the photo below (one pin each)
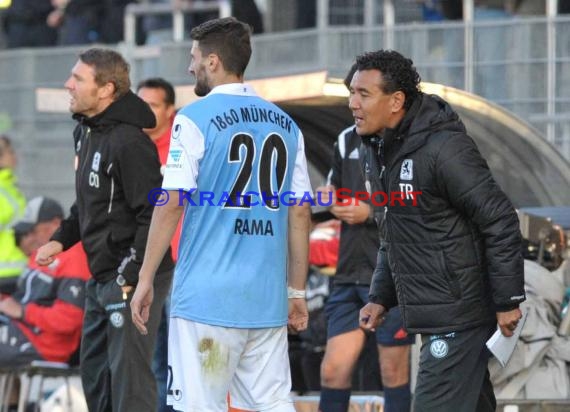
(116, 167)
(450, 253)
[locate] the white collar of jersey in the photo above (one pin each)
(240, 89)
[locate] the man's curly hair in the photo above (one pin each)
(398, 73)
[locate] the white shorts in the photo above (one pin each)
(206, 362)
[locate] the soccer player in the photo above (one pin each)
(238, 163)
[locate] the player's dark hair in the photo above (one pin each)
(398, 73)
(228, 38)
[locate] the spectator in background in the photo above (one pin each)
(247, 11)
(243, 10)
(26, 24)
(12, 203)
(112, 23)
(78, 21)
(431, 10)
(42, 319)
(160, 96)
(451, 9)
(44, 316)
(158, 28)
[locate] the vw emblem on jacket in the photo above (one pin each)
(439, 348)
(407, 170)
(117, 319)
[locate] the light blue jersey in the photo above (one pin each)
(226, 151)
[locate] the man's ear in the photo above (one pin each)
(398, 101)
(170, 110)
(213, 62)
(107, 91)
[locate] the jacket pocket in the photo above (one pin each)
(451, 278)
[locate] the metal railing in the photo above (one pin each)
(178, 13)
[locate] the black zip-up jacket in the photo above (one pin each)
(116, 167)
(358, 243)
(454, 259)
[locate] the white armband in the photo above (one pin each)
(295, 293)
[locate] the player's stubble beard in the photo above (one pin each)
(202, 87)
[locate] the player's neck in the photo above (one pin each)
(226, 78)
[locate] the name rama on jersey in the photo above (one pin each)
(253, 227)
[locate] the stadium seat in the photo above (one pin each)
(37, 369)
(43, 370)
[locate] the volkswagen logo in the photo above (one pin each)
(439, 348)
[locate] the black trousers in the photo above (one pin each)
(453, 374)
(115, 358)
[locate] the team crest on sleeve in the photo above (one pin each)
(175, 159)
(176, 130)
(407, 170)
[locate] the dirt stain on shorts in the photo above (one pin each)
(214, 356)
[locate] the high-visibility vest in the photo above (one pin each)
(12, 204)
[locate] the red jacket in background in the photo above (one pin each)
(324, 243)
(53, 298)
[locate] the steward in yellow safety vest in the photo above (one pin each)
(12, 204)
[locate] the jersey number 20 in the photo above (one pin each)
(273, 159)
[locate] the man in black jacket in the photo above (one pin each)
(450, 251)
(117, 167)
(351, 283)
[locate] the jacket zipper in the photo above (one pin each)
(385, 177)
(382, 178)
(111, 197)
(85, 153)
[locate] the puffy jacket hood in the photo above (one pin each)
(129, 109)
(429, 113)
